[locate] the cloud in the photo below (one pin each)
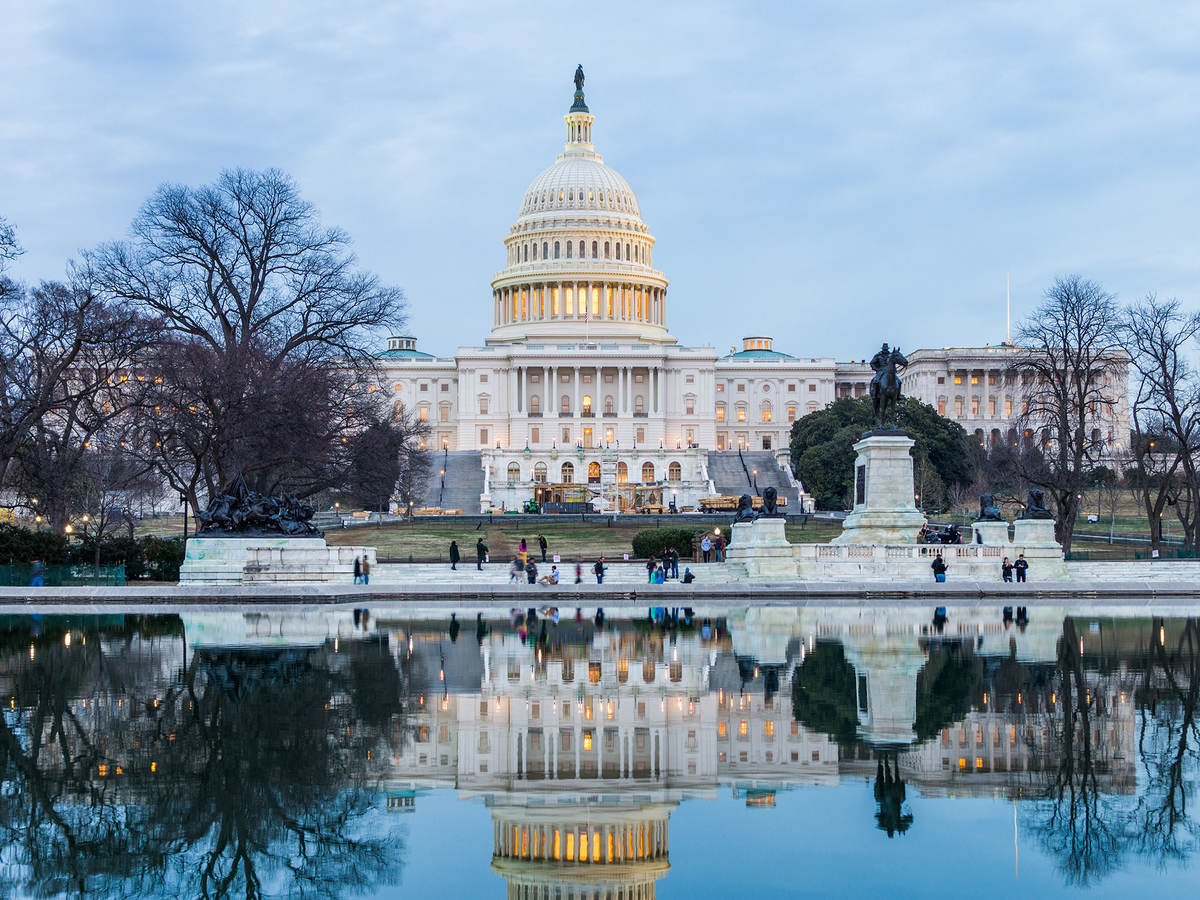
(812, 163)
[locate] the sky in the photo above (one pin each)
(833, 173)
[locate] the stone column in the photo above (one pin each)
(578, 746)
(575, 408)
(520, 389)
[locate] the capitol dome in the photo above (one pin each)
(579, 257)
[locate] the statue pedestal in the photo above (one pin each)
(990, 533)
(762, 549)
(884, 508)
(1035, 533)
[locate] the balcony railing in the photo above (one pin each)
(588, 414)
(566, 414)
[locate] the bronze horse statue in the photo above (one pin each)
(885, 386)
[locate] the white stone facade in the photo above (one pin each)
(579, 366)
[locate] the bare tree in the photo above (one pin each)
(255, 295)
(63, 355)
(1165, 410)
(1071, 354)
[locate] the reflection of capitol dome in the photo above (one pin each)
(579, 258)
(574, 853)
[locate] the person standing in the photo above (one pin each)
(523, 549)
(939, 568)
(705, 547)
(480, 554)
(542, 545)
(674, 562)
(453, 556)
(599, 568)
(1021, 567)
(366, 570)
(719, 546)
(37, 572)
(650, 567)
(358, 570)
(578, 570)
(1006, 569)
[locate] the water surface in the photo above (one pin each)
(770, 752)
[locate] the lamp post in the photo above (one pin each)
(754, 472)
(183, 502)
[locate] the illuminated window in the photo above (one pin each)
(769, 729)
(722, 731)
(958, 379)
(721, 412)
(647, 472)
(741, 414)
(743, 728)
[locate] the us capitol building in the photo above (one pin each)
(580, 393)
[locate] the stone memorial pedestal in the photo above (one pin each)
(268, 559)
(762, 549)
(989, 533)
(884, 508)
(1035, 533)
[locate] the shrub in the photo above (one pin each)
(148, 558)
(652, 541)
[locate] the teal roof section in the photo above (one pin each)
(404, 354)
(758, 354)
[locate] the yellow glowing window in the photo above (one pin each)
(958, 379)
(769, 729)
(741, 416)
(610, 847)
(722, 730)
(962, 764)
(583, 846)
(570, 845)
(974, 379)
(979, 762)
(587, 740)
(570, 301)
(557, 847)
(595, 301)
(766, 415)
(595, 846)
(743, 728)
(720, 414)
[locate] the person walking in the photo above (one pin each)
(1006, 569)
(939, 568)
(599, 568)
(579, 570)
(358, 570)
(37, 572)
(542, 545)
(1021, 567)
(705, 547)
(480, 554)
(366, 570)
(514, 571)
(453, 556)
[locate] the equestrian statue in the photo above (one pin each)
(885, 384)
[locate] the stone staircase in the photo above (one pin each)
(1137, 570)
(728, 472)
(464, 481)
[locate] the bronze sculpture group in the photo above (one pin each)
(239, 511)
(770, 507)
(886, 384)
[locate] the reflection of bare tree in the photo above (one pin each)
(1079, 823)
(1169, 745)
(247, 773)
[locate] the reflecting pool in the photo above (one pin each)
(569, 754)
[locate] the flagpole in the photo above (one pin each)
(1008, 307)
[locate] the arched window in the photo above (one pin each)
(622, 473)
(556, 249)
(582, 250)
(545, 247)
(569, 246)
(647, 472)
(568, 473)
(587, 404)
(765, 410)
(535, 405)
(593, 473)
(514, 472)
(565, 404)
(618, 251)
(535, 250)
(608, 406)
(526, 253)
(607, 250)
(674, 472)
(539, 472)
(595, 249)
